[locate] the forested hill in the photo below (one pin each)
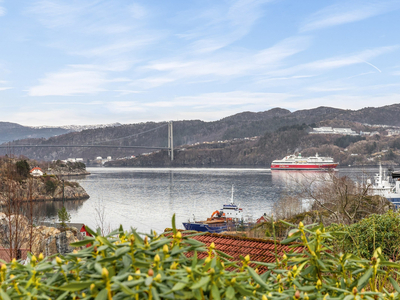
(245, 124)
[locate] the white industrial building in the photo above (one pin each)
(330, 130)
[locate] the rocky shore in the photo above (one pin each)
(68, 169)
(45, 188)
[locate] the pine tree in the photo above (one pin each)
(63, 217)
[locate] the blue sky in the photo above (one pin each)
(92, 62)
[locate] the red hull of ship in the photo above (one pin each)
(302, 167)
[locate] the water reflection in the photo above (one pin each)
(45, 210)
(291, 177)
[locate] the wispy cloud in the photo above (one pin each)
(5, 88)
(224, 65)
(347, 12)
(69, 82)
(228, 99)
(338, 62)
(344, 101)
(224, 25)
(2, 9)
(119, 107)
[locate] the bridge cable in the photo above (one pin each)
(136, 134)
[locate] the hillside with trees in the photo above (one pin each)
(243, 125)
(261, 151)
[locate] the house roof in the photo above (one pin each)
(259, 249)
(36, 168)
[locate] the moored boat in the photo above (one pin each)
(387, 186)
(293, 162)
(225, 219)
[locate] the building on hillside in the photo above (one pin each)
(262, 219)
(80, 226)
(36, 172)
(330, 130)
(393, 132)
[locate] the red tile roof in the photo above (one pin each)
(35, 168)
(259, 249)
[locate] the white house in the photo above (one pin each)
(36, 172)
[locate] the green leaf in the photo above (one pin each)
(256, 277)
(75, 286)
(389, 264)
(230, 292)
(321, 264)
(90, 231)
(215, 292)
(180, 285)
(148, 281)
(306, 288)
(202, 282)
(173, 224)
(105, 241)
(394, 284)
(83, 242)
(290, 239)
(243, 291)
(365, 277)
(125, 289)
(4, 295)
(155, 293)
(224, 254)
(102, 295)
(63, 295)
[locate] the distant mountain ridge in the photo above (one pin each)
(13, 131)
(245, 124)
(79, 127)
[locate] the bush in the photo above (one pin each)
(23, 168)
(50, 185)
(374, 231)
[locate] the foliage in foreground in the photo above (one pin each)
(372, 232)
(124, 265)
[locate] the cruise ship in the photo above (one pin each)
(293, 162)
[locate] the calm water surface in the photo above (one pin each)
(147, 198)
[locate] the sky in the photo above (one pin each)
(82, 62)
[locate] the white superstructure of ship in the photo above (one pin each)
(297, 162)
(387, 186)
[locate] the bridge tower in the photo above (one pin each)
(170, 140)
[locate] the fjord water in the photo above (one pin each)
(147, 198)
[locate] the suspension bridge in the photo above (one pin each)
(170, 147)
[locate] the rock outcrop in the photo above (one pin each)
(46, 188)
(43, 239)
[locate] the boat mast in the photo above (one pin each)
(232, 195)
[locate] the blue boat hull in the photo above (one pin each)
(395, 201)
(205, 227)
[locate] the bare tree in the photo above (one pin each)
(18, 208)
(345, 200)
(100, 217)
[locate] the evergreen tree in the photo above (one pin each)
(63, 217)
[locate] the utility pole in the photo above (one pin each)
(63, 192)
(170, 140)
